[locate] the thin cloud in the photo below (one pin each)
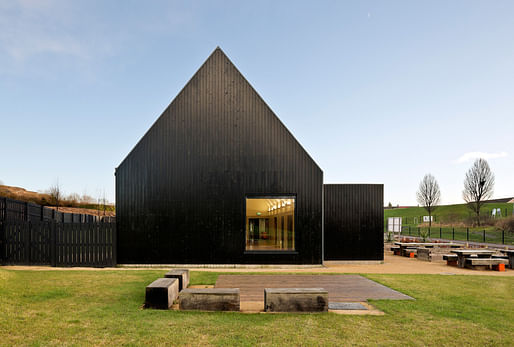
(29, 28)
(484, 155)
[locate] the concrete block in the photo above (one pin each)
(210, 299)
(181, 274)
(161, 293)
(295, 300)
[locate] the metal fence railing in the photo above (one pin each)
(483, 235)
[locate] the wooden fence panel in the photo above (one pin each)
(57, 244)
(40, 243)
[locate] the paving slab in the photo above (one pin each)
(346, 306)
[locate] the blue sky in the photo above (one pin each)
(376, 91)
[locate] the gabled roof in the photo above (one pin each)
(220, 71)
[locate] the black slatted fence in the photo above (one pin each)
(57, 244)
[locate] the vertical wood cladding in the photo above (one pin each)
(354, 221)
(180, 193)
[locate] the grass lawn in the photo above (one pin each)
(449, 214)
(104, 307)
(444, 213)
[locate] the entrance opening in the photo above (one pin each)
(270, 224)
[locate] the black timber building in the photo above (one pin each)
(219, 179)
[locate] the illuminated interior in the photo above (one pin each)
(270, 224)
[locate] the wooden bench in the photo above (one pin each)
(499, 257)
(161, 293)
(396, 250)
(295, 300)
(209, 299)
(510, 254)
(486, 263)
(410, 252)
(181, 274)
(451, 259)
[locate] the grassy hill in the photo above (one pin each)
(458, 214)
(44, 199)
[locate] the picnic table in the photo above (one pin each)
(409, 247)
(510, 254)
(465, 254)
(428, 244)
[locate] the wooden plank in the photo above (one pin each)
(210, 299)
(340, 287)
(295, 300)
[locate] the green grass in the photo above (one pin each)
(104, 307)
(452, 218)
(445, 214)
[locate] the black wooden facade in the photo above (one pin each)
(180, 193)
(353, 221)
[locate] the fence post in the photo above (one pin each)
(467, 234)
(26, 211)
(409, 230)
(429, 232)
(503, 237)
(484, 236)
(114, 243)
(26, 235)
(453, 234)
(53, 238)
(440, 232)
(5, 209)
(1, 242)
(419, 234)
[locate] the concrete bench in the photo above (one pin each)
(161, 293)
(181, 274)
(497, 264)
(209, 299)
(451, 259)
(295, 300)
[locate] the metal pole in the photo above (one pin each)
(503, 237)
(467, 234)
(453, 234)
(484, 235)
(440, 233)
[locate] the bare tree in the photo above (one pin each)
(104, 203)
(428, 195)
(478, 186)
(55, 193)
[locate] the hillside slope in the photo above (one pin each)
(445, 214)
(21, 194)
